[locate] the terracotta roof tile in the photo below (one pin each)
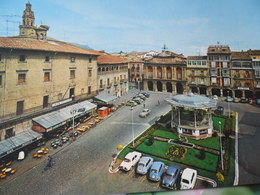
(109, 59)
(42, 45)
(240, 55)
(197, 58)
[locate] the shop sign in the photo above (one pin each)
(243, 88)
(61, 102)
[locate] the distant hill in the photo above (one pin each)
(82, 46)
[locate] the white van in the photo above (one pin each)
(188, 179)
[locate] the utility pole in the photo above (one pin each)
(221, 150)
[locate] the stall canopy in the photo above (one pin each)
(18, 141)
(107, 98)
(57, 118)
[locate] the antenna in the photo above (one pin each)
(164, 47)
(9, 21)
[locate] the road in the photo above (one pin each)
(248, 142)
(82, 167)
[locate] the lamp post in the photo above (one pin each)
(73, 111)
(228, 105)
(133, 134)
(221, 153)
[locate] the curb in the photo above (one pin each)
(115, 158)
(236, 180)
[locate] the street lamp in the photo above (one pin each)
(73, 111)
(228, 104)
(133, 134)
(221, 153)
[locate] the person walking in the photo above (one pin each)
(158, 102)
(50, 161)
(144, 105)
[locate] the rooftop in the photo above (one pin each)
(216, 49)
(42, 45)
(240, 55)
(105, 58)
(192, 101)
(197, 58)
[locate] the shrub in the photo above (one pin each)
(150, 141)
(202, 155)
(215, 134)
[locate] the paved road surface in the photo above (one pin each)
(248, 142)
(82, 167)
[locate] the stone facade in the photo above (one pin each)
(197, 74)
(112, 74)
(165, 72)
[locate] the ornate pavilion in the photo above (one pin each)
(191, 115)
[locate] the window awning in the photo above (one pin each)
(18, 141)
(57, 118)
(106, 97)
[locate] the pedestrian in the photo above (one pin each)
(50, 161)
(158, 102)
(144, 105)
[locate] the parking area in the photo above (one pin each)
(131, 175)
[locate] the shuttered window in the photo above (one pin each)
(21, 78)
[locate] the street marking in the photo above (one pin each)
(131, 173)
(129, 123)
(142, 179)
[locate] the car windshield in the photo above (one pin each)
(154, 171)
(169, 176)
(126, 160)
(185, 181)
(141, 165)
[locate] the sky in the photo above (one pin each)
(185, 26)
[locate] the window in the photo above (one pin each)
(108, 81)
(204, 63)
(47, 76)
(213, 80)
(202, 81)
(1, 80)
(226, 81)
(89, 90)
(213, 64)
(0, 57)
(72, 93)
(89, 73)
(120, 77)
(224, 64)
(45, 101)
(19, 107)
(101, 83)
(114, 79)
(47, 58)
(72, 74)
(90, 60)
(21, 78)
(22, 58)
(258, 84)
(72, 59)
(9, 133)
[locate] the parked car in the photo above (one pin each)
(215, 97)
(188, 179)
(141, 96)
(219, 110)
(138, 100)
(146, 94)
(131, 103)
(145, 113)
(236, 100)
(244, 100)
(171, 176)
(130, 160)
(156, 171)
(144, 165)
(229, 99)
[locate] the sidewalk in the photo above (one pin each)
(29, 162)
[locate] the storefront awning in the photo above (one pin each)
(59, 117)
(18, 141)
(106, 97)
